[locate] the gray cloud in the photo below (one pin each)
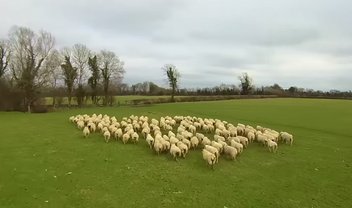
(291, 42)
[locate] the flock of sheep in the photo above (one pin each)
(227, 139)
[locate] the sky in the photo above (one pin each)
(290, 42)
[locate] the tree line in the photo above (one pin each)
(30, 63)
(32, 68)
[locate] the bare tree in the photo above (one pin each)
(173, 77)
(52, 65)
(93, 81)
(111, 67)
(70, 75)
(5, 54)
(246, 83)
(80, 56)
(29, 52)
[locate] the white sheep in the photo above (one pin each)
(271, 145)
(145, 131)
(243, 140)
(118, 134)
(186, 142)
(150, 141)
(170, 133)
(173, 140)
(134, 137)
(175, 151)
(219, 138)
(209, 157)
(206, 141)
(91, 126)
(286, 137)
(213, 150)
(231, 151)
(125, 137)
(217, 146)
(107, 135)
(158, 146)
(86, 132)
(237, 145)
(251, 136)
(80, 124)
(194, 142)
(183, 147)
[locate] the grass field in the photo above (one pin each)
(45, 161)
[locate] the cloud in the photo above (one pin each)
(292, 42)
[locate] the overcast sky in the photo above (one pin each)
(305, 43)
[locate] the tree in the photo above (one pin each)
(93, 81)
(5, 54)
(29, 51)
(80, 56)
(173, 77)
(52, 65)
(246, 83)
(70, 75)
(111, 67)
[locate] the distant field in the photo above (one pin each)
(45, 161)
(123, 100)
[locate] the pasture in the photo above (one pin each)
(46, 162)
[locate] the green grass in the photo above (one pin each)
(315, 172)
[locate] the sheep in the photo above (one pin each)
(236, 139)
(214, 151)
(237, 145)
(286, 137)
(183, 147)
(91, 126)
(125, 137)
(233, 131)
(240, 130)
(192, 129)
(100, 126)
(231, 151)
(118, 133)
(134, 137)
(145, 131)
(218, 132)
(80, 124)
(209, 157)
(186, 142)
(261, 138)
(107, 135)
(170, 133)
(158, 146)
(219, 138)
(194, 142)
(251, 136)
(150, 141)
(243, 141)
(165, 137)
(222, 143)
(206, 141)
(173, 140)
(175, 151)
(217, 145)
(200, 136)
(86, 132)
(166, 144)
(272, 146)
(72, 119)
